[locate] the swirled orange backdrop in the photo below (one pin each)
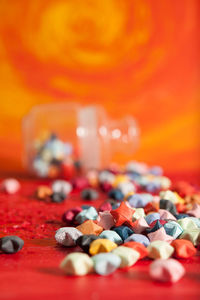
(135, 56)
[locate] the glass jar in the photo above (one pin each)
(67, 136)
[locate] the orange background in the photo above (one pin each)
(132, 56)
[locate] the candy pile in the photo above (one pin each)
(142, 218)
(54, 157)
(58, 191)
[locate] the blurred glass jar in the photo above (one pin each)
(63, 138)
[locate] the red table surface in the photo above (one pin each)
(33, 273)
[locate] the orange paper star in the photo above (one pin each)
(122, 214)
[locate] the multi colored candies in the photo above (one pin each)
(142, 218)
(133, 225)
(53, 156)
(57, 193)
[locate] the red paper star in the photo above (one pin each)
(122, 214)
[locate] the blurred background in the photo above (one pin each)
(131, 56)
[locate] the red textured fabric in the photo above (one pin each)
(33, 273)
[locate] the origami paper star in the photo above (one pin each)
(122, 214)
(183, 248)
(140, 225)
(160, 249)
(105, 220)
(89, 227)
(160, 235)
(140, 248)
(101, 245)
(192, 235)
(166, 270)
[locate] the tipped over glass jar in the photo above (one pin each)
(63, 139)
